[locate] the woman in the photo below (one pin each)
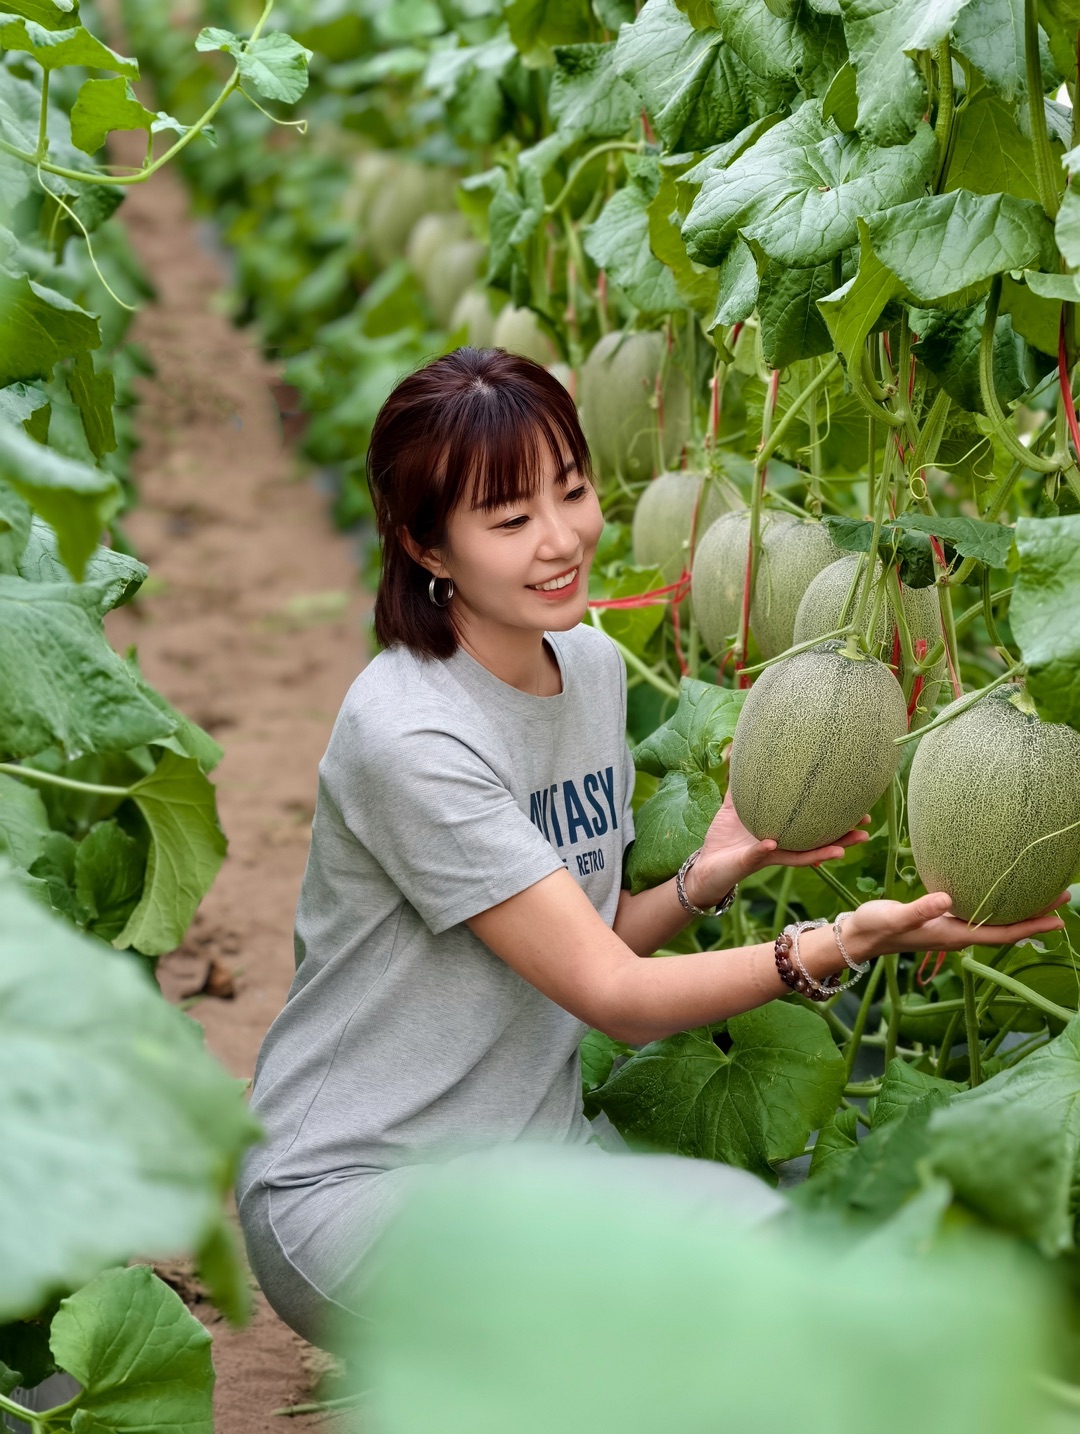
(461, 921)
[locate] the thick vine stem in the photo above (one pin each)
(857, 376)
(946, 107)
(579, 167)
(859, 1028)
(998, 421)
(974, 968)
(961, 705)
(50, 779)
(971, 1027)
(1040, 139)
(881, 497)
(635, 663)
(799, 647)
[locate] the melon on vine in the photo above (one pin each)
(408, 191)
(429, 236)
(473, 313)
(660, 536)
(449, 274)
(814, 746)
(519, 332)
(994, 808)
(619, 409)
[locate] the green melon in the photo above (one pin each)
(990, 796)
(430, 236)
(792, 555)
(519, 332)
(370, 168)
(661, 531)
(449, 274)
(565, 374)
(814, 746)
(408, 192)
(617, 400)
(819, 612)
(716, 580)
(473, 313)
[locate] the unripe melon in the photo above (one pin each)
(661, 531)
(994, 808)
(408, 192)
(792, 555)
(716, 579)
(564, 373)
(429, 236)
(814, 746)
(519, 332)
(473, 312)
(449, 274)
(370, 168)
(617, 399)
(821, 607)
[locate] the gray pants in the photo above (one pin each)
(308, 1245)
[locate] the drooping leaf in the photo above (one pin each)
(971, 537)
(1010, 1147)
(949, 347)
(50, 14)
(799, 191)
(73, 498)
(837, 1141)
(790, 321)
(910, 549)
(841, 102)
(751, 1103)
(94, 395)
(187, 846)
(991, 35)
(537, 26)
(121, 1134)
(109, 870)
(989, 153)
(669, 826)
(38, 328)
(15, 521)
(881, 37)
(24, 822)
(587, 94)
(598, 1054)
(114, 576)
(618, 241)
(903, 1086)
(55, 48)
(24, 404)
(799, 46)
(102, 106)
(1067, 224)
(1045, 601)
(697, 286)
(694, 737)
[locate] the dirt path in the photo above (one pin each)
(252, 626)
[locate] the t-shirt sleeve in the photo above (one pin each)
(436, 817)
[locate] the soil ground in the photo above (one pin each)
(253, 624)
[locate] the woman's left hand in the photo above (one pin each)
(730, 853)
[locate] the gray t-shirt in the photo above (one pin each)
(443, 792)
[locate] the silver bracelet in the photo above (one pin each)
(680, 878)
(826, 988)
(859, 967)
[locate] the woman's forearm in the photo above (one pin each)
(648, 921)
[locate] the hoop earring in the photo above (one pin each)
(431, 592)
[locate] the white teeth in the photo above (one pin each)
(555, 583)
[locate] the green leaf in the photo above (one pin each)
(51, 14)
(696, 285)
(669, 826)
(695, 89)
(737, 287)
(854, 310)
(587, 95)
(114, 576)
(1061, 20)
(38, 328)
(989, 153)
(105, 105)
(1067, 224)
(24, 822)
(910, 549)
(949, 347)
(790, 321)
(837, 1140)
(109, 869)
(277, 66)
(83, 698)
(778, 47)
(990, 543)
(1010, 1146)
(1045, 601)
(841, 102)
(750, 1101)
(800, 190)
(23, 404)
(110, 1098)
(598, 1053)
(618, 241)
(881, 36)
(694, 737)
(991, 35)
(537, 26)
(15, 521)
(73, 498)
(55, 48)
(188, 739)
(903, 1087)
(142, 1357)
(540, 1291)
(94, 394)
(186, 849)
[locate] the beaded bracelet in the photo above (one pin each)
(859, 967)
(790, 967)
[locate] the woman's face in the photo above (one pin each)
(500, 559)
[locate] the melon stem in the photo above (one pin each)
(859, 1028)
(961, 705)
(635, 663)
(948, 1040)
(971, 1023)
(892, 962)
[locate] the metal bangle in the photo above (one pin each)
(859, 967)
(680, 878)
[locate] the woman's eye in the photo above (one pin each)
(513, 523)
(576, 493)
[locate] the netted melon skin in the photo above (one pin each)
(815, 747)
(661, 529)
(617, 400)
(821, 606)
(792, 555)
(985, 792)
(718, 573)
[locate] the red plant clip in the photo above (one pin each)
(925, 981)
(920, 679)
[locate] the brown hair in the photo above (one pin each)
(477, 421)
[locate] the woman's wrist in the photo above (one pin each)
(707, 885)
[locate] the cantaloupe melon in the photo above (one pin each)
(814, 746)
(370, 168)
(449, 274)
(792, 555)
(564, 373)
(473, 313)
(519, 332)
(716, 579)
(406, 193)
(994, 808)
(660, 534)
(821, 607)
(429, 236)
(617, 400)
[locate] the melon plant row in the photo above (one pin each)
(810, 272)
(121, 1134)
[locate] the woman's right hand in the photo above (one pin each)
(878, 928)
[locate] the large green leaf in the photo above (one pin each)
(73, 498)
(54, 48)
(695, 89)
(991, 35)
(105, 105)
(949, 347)
(38, 328)
(587, 95)
(694, 737)
(51, 14)
(121, 1134)
(81, 696)
(1045, 601)
(15, 523)
(747, 1092)
(114, 576)
(696, 284)
(669, 826)
(799, 191)
(110, 868)
(24, 822)
(989, 153)
(789, 319)
(275, 64)
(618, 242)
(141, 1356)
(1010, 1147)
(537, 26)
(186, 849)
(545, 1291)
(797, 44)
(881, 37)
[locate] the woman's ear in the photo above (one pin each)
(424, 557)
